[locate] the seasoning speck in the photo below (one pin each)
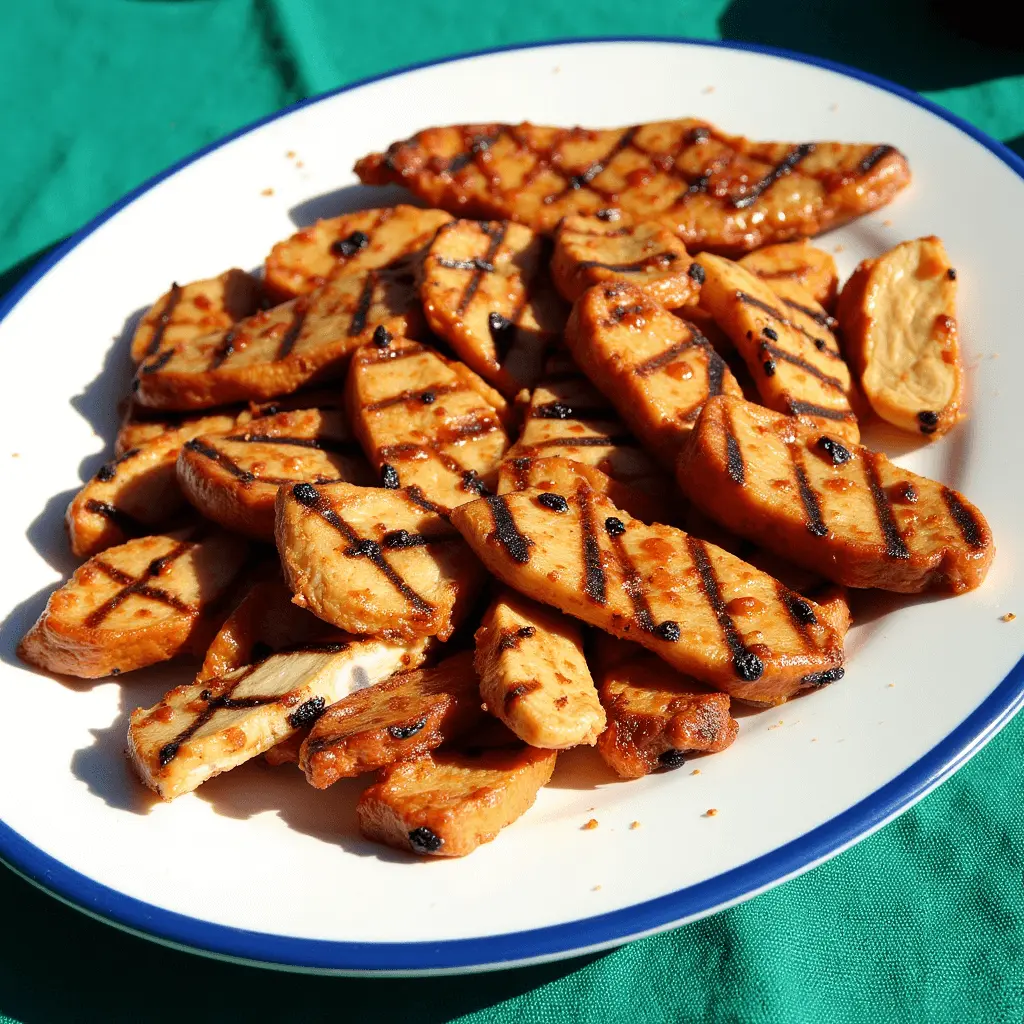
(711, 812)
(708, 90)
(696, 771)
(887, 223)
(595, 888)
(590, 825)
(290, 154)
(1008, 617)
(892, 685)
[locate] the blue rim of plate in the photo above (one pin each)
(555, 941)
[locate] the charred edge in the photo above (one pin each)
(423, 396)
(594, 582)
(797, 408)
(511, 638)
(520, 473)
(141, 587)
(108, 470)
(967, 522)
(800, 611)
(876, 156)
(292, 334)
(403, 732)
(776, 315)
(894, 544)
(632, 581)
(358, 324)
(360, 548)
(506, 531)
(818, 679)
(747, 665)
(497, 236)
(564, 411)
(222, 460)
(812, 505)
(517, 693)
(472, 484)
(474, 264)
(782, 168)
(157, 364)
(660, 259)
(422, 840)
(124, 521)
(307, 713)
(164, 319)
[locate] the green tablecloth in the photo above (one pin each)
(922, 922)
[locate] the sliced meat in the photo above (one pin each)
(657, 369)
(134, 605)
(790, 350)
(533, 675)
(840, 510)
(715, 191)
(487, 292)
(592, 250)
(203, 729)
(134, 494)
(701, 609)
(798, 265)
(233, 478)
(373, 560)
(447, 803)
(356, 242)
(657, 718)
(900, 334)
(400, 718)
(426, 422)
(190, 311)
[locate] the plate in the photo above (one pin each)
(256, 866)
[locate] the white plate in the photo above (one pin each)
(259, 867)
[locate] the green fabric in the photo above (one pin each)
(922, 922)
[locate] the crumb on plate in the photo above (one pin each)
(711, 812)
(634, 824)
(590, 825)
(696, 771)
(1008, 617)
(267, 192)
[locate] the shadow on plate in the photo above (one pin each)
(349, 200)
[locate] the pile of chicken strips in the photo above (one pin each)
(568, 454)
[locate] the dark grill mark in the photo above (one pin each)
(222, 460)
(697, 273)
(403, 732)
(967, 522)
(422, 840)
(876, 155)
(747, 665)
(812, 504)
(292, 334)
(479, 145)
(350, 246)
(894, 545)
(520, 469)
(358, 324)
(404, 397)
(157, 364)
(716, 372)
(661, 259)
(798, 408)
(332, 446)
(496, 233)
(771, 311)
(506, 532)
(577, 181)
(600, 441)
(513, 696)
(108, 470)
(510, 638)
(474, 264)
(564, 411)
(140, 586)
(307, 713)
(419, 499)
(632, 581)
(734, 465)
(778, 353)
(164, 319)
(308, 496)
(799, 610)
(389, 477)
(126, 522)
(782, 168)
(663, 359)
(822, 319)
(594, 583)
(224, 350)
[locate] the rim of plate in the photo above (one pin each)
(574, 938)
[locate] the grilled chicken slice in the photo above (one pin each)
(569, 418)
(843, 511)
(358, 242)
(134, 605)
(398, 719)
(425, 422)
(533, 675)
(656, 717)
(486, 291)
(792, 266)
(286, 751)
(202, 729)
(557, 474)
(715, 191)
(279, 350)
(900, 335)
(192, 310)
(135, 493)
(790, 350)
(233, 478)
(701, 609)
(599, 250)
(657, 369)
(448, 803)
(264, 622)
(372, 560)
